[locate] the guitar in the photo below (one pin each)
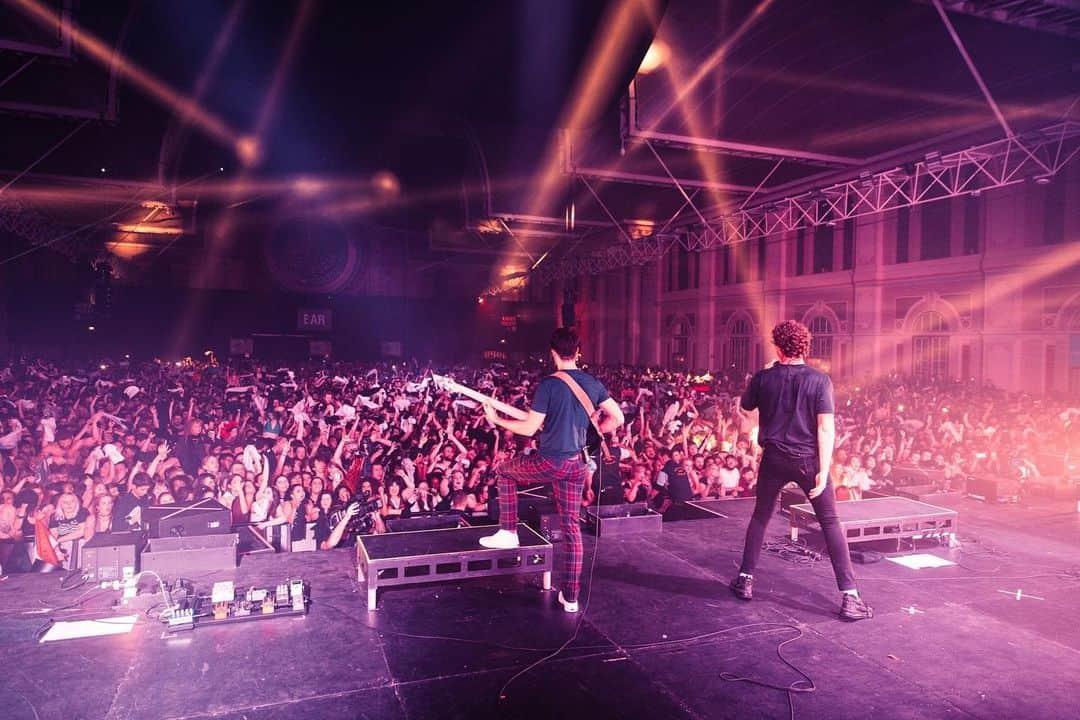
(444, 383)
(594, 444)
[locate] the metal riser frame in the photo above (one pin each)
(943, 527)
(437, 567)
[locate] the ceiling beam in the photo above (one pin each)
(1058, 17)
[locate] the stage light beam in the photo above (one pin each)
(109, 57)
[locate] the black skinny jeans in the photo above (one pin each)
(776, 471)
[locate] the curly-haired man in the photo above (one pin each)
(797, 432)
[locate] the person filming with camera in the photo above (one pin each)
(358, 517)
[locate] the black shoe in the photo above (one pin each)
(743, 587)
(855, 608)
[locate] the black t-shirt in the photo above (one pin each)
(790, 397)
(323, 528)
(298, 531)
(28, 498)
(65, 526)
(678, 482)
(348, 538)
(124, 505)
(190, 451)
(565, 421)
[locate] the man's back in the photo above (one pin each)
(789, 398)
(565, 421)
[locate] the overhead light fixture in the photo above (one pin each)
(655, 56)
(1043, 179)
(490, 226)
(147, 229)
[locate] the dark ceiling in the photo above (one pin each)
(444, 95)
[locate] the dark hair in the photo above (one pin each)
(793, 338)
(565, 343)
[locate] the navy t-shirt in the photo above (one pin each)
(678, 482)
(565, 421)
(790, 397)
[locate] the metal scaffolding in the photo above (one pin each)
(1060, 17)
(21, 220)
(1037, 155)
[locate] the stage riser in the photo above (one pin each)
(616, 520)
(178, 557)
(451, 554)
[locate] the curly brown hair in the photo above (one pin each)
(792, 338)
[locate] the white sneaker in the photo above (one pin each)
(502, 540)
(570, 607)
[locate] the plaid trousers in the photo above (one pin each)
(567, 478)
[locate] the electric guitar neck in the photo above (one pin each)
(444, 383)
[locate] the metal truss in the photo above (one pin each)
(1060, 17)
(998, 164)
(632, 133)
(18, 218)
(639, 252)
(1040, 155)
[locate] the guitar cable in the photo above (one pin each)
(577, 627)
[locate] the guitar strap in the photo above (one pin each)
(590, 409)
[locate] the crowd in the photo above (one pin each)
(85, 451)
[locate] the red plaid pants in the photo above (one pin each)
(567, 478)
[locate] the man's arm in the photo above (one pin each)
(749, 399)
(826, 438)
(526, 427)
(339, 529)
(613, 416)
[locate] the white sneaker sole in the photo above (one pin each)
(570, 607)
(492, 543)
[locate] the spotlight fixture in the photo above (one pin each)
(91, 328)
(655, 56)
(1042, 179)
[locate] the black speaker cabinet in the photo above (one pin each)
(992, 490)
(205, 517)
(111, 556)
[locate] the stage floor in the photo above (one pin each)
(659, 630)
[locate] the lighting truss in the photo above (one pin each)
(641, 251)
(1061, 17)
(1039, 154)
(1011, 160)
(18, 218)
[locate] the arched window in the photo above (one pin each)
(930, 346)
(680, 343)
(739, 345)
(821, 344)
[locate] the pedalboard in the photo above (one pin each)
(225, 606)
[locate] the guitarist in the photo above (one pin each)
(561, 406)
